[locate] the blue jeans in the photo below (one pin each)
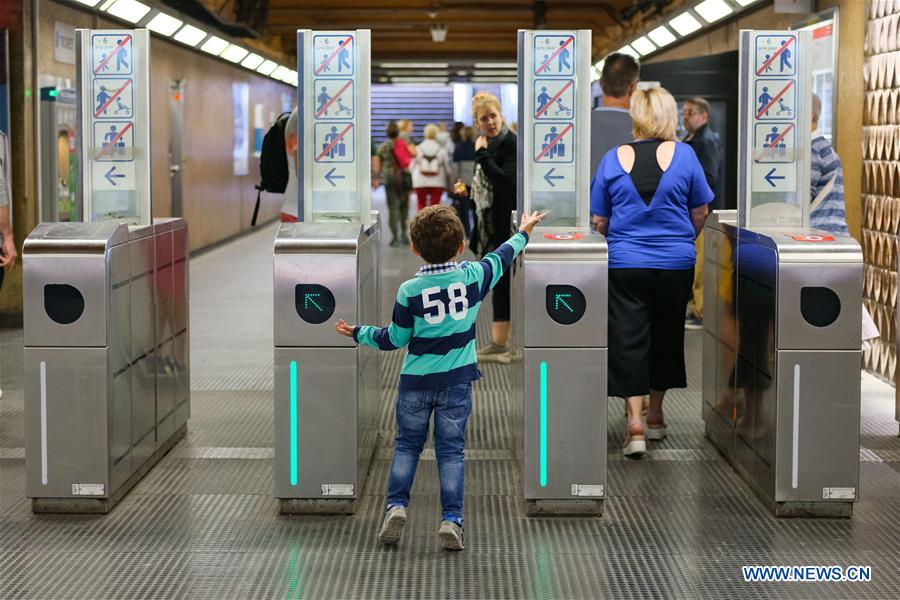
(451, 406)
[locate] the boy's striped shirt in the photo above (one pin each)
(435, 315)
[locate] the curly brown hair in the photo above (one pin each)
(436, 233)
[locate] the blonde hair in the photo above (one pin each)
(484, 101)
(431, 131)
(404, 125)
(653, 114)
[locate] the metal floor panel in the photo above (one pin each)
(203, 523)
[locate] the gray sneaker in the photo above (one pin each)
(493, 353)
(392, 526)
(451, 535)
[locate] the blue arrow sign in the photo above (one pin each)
(770, 176)
(330, 176)
(549, 177)
(110, 176)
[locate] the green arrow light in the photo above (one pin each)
(560, 298)
(308, 299)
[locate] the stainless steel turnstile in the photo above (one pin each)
(560, 300)
(326, 388)
(106, 358)
(781, 380)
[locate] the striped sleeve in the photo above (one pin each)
(495, 263)
(394, 336)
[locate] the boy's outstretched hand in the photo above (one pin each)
(344, 329)
(529, 221)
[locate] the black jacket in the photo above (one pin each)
(499, 165)
(709, 152)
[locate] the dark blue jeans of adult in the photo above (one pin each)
(451, 407)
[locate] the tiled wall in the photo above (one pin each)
(881, 179)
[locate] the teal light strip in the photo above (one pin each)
(543, 424)
(295, 425)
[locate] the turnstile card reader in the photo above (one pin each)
(106, 358)
(560, 297)
(326, 387)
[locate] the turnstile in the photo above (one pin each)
(560, 300)
(326, 387)
(782, 357)
(107, 389)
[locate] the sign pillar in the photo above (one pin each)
(114, 124)
(333, 106)
(554, 116)
(775, 113)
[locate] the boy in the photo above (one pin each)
(435, 314)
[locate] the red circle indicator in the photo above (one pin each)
(564, 236)
(813, 238)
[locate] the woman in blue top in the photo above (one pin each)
(649, 198)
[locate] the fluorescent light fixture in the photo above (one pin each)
(643, 46)
(128, 10)
(490, 79)
(661, 36)
(595, 73)
(599, 65)
(293, 78)
(713, 10)
(267, 67)
(435, 73)
(252, 61)
(280, 72)
(91, 3)
(745, 2)
(190, 35)
(234, 53)
(685, 24)
(412, 65)
(626, 49)
(497, 65)
(214, 45)
(164, 24)
(418, 80)
(462, 73)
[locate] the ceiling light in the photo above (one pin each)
(280, 72)
(745, 2)
(489, 79)
(643, 45)
(685, 24)
(595, 73)
(462, 73)
(190, 35)
(403, 65)
(496, 65)
(417, 72)
(661, 36)
(214, 45)
(128, 10)
(164, 24)
(267, 67)
(599, 65)
(234, 53)
(252, 61)
(418, 80)
(91, 3)
(713, 10)
(438, 33)
(292, 78)
(626, 49)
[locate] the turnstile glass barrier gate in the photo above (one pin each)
(782, 360)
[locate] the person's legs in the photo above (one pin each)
(404, 215)
(451, 413)
(670, 294)
(498, 350)
(629, 345)
(421, 197)
(392, 193)
(434, 195)
(413, 416)
(694, 321)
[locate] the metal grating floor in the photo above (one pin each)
(203, 523)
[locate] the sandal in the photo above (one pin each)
(635, 443)
(656, 431)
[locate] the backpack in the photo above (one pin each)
(273, 163)
(430, 166)
(402, 153)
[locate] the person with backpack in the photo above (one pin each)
(392, 176)
(430, 169)
(275, 171)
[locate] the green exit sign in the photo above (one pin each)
(565, 303)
